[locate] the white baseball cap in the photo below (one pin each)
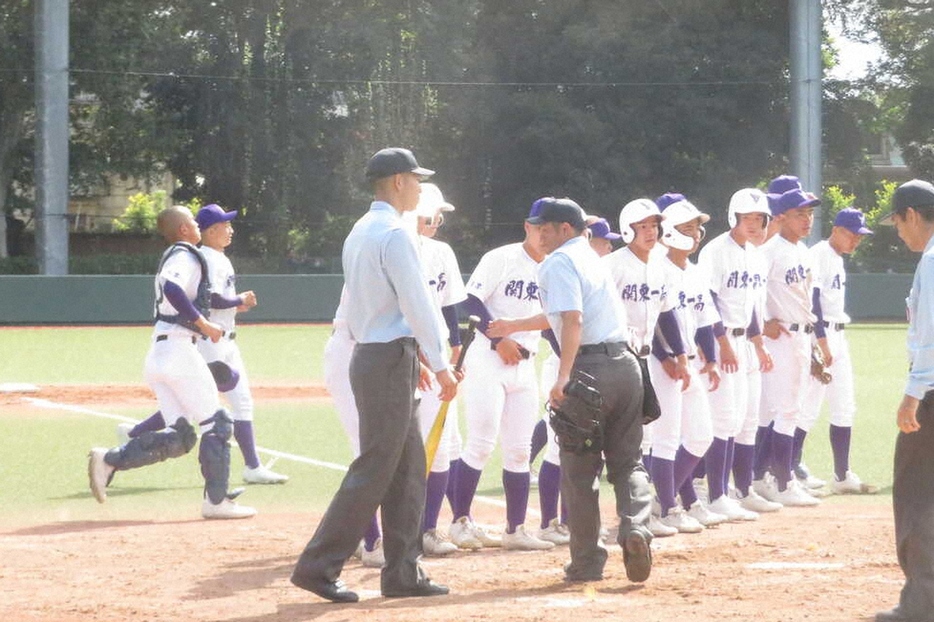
(432, 201)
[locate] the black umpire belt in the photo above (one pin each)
(795, 327)
(166, 338)
(610, 348)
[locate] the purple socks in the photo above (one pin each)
(372, 534)
(763, 456)
(434, 496)
(465, 479)
(663, 476)
(782, 447)
(840, 444)
(516, 486)
(243, 432)
(549, 485)
(716, 467)
(742, 466)
(539, 438)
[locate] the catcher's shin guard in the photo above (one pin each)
(214, 455)
(152, 447)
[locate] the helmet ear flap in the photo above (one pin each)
(627, 233)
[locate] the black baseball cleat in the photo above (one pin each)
(334, 591)
(637, 557)
(425, 587)
(580, 575)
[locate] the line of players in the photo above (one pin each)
(729, 344)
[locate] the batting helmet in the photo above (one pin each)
(679, 213)
(633, 212)
(748, 201)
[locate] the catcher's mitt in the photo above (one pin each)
(818, 368)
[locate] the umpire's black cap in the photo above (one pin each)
(914, 193)
(558, 210)
(392, 161)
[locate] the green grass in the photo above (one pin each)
(43, 466)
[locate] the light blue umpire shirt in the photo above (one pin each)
(921, 326)
(573, 278)
(387, 295)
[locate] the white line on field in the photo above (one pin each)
(272, 452)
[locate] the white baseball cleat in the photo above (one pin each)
(462, 535)
(702, 514)
(435, 544)
(754, 502)
(374, 558)
(555, 532)
(660, 529)
(123, 433)
(225, 509)
(731, 509)
(803, 475)
(849, 485)
(485, 538)
(99, 473)
(795, 496)
(263, 475)
(520, 540)
(766, 488)
(681, 521)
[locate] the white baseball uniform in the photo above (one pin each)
(829, 276)
(337, 353)
(447, 288)
(174, 369)
(733, 273)
(501, 401)
(788, 299)
(223, 282)
(685, 418)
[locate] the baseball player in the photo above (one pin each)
(180, 377)
(731, 266)
(640, 280)
(683, 433)
(501, 391)
(216, 235)
(829, 281)
(788, 326)
(447, 289)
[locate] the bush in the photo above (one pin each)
(140, 214)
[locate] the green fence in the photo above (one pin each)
(293, 298)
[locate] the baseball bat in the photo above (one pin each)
(434, 435)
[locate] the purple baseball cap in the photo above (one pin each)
(782, 184)
(794, 199)
(600, 228)
(213, 214)
(668, 198)
(853, 220)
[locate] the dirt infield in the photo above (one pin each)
(832, 563)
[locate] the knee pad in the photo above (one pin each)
(214, 454)
(152, 447)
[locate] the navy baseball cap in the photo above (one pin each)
(213, 214)
(392, 161)
(853, 220)
(914, 193)
(551, 209)
(794, 199)
(600, 228)
(782, 184)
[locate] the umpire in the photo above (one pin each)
(913, 486)
(588, 318)
(393, 315)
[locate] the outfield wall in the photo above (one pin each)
(292, 298)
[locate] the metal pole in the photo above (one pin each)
(806, 92)
(51, 168)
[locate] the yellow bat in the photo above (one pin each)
(434, 435)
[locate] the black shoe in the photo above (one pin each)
(637, 557)
(334, 591)
(895, 615)
(579, 575)
(426, 587)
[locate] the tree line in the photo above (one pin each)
(273, 106)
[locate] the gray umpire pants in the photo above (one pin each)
(913, 501)
(619, 381)
(388, 474)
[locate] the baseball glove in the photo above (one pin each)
(818, 368)
(225, 377)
